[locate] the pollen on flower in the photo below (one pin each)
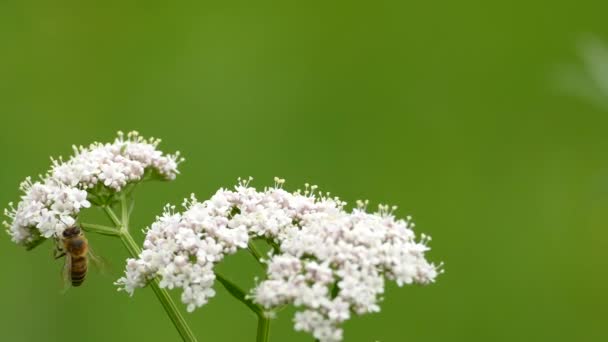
(278, 182)
(49, 203)
(330, 263)
(362, 205)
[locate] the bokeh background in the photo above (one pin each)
(453, 111)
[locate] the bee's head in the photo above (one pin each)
(71, 232)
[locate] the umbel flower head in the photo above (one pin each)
(93, 173)
(327, 261)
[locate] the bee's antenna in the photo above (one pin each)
(67, 225)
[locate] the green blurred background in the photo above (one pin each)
(447, 109)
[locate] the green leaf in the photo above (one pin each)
(36, 240)
(239, 294)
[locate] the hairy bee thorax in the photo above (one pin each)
(74, 241)
(76, 246)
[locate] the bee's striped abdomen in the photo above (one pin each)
(79, 270)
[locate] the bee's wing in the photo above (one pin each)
(99, 263)
(66, 273)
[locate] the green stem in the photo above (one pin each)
(256, 254)
(176, 317)
(162, 294)
(130, 244)
(122, 230)
(100, 229)
(274, 246)
(124, 210)
(112, 215)
(239, 294)
(263, 329)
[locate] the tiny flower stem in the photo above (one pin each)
(256, 254)
(100, 229)
(274, 246)
(112, 215)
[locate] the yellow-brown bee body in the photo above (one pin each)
(76, 248)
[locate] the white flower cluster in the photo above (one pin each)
(50, 205)
(329, 262)
(182, 249)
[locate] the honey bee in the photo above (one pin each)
(75, 247)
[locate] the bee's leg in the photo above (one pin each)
(58, 253)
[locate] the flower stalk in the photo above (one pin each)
(263, 328)
(99, 229)
(163, 296)
(240, 295)
(121, 230)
